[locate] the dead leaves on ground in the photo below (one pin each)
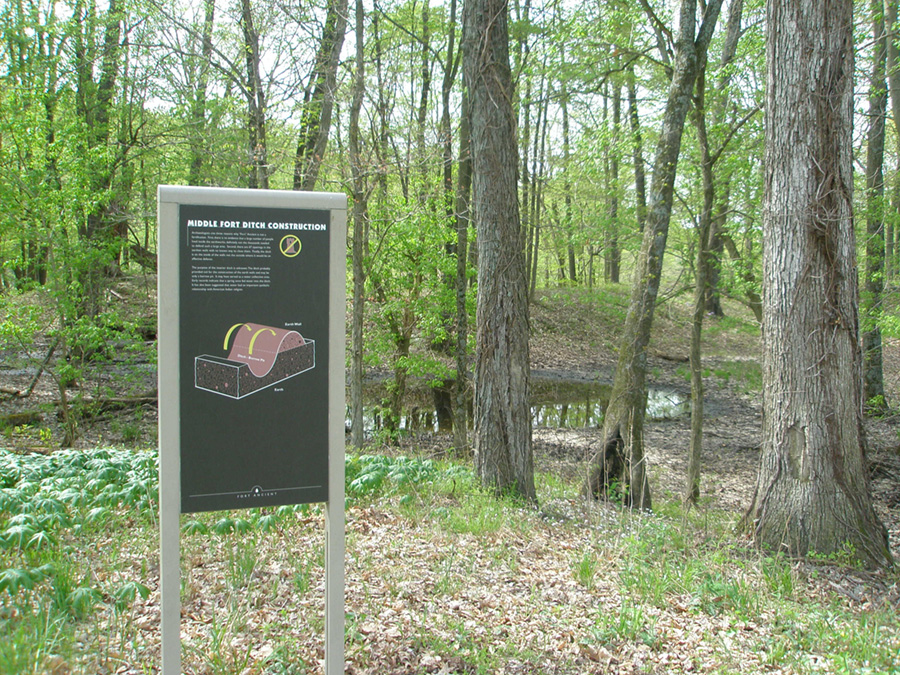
(421, 598)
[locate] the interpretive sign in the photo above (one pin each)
(251, 370)
(253, 317)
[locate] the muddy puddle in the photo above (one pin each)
(556, 402)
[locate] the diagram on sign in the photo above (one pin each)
(260, 357)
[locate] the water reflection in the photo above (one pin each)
(555, 404)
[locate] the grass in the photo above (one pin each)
(747, 375)
(744, 325)
(440, 575)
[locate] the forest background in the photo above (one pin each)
(102, 103)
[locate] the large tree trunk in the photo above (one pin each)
(621, 465)
(503, 456)
(812, 493)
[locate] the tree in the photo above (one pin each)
(892, 230)
(29, 155)
(360, 194)
(812, 493)
(503, 455)
(318, 99)
(257, 149)
(463, 190)
(873, 370)
(103, 228)
(705, 244)
(621, 464)
(198, 108)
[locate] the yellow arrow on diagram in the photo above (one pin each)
(230, 331)
(256, 335)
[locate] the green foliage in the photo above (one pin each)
(627, 623)
(586, 568)
(45, 501)
(746, 375)
(383, 475)
(12, 579)
(31, 639)
(127, 593)
(49, 593)
(480, 514)
(732, 324)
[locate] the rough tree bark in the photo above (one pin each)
(503, 454)
(812, 493)
(620, 466)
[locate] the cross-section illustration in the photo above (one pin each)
(260, 356)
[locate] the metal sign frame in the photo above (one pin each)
(170, 282)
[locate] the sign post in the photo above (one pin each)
(251, 371)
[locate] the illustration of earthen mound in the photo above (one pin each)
(260, 356)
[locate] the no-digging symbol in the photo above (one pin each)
(290, 245)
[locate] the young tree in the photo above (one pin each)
(705, 239)
(198, 106)
(360, 194)
(318, 99)
(812, 493)
(873, 369)
(503, 455)
(103, 227)
(257, 150)
(621, 463)
(891, 230)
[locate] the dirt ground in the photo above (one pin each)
(561, 345)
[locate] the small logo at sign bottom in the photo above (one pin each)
(255, 492)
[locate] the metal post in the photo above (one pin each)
(334, 508)
(169, 439)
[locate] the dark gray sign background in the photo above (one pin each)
(270, 447)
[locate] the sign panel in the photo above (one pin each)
(251, 371)
(254, 355)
